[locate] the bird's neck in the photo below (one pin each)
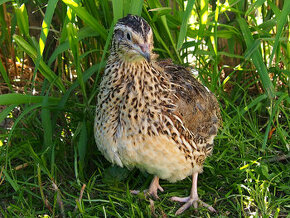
(127, 71)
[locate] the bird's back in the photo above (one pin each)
(195, 104)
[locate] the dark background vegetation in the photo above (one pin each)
(52, 55)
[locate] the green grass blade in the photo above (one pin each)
(83, 33)
(164, 21)
(87, 74)
(87, 18)
(107, 12)
(60, 49)
(46, 123)
(136, 7)
(250, 51)
(44, 32)
(82, 146)
(257, 59)
(43, 68)
(3, 25)
(282, 21)
(22, 20)
(274, 8)
(6, 111)
(16, 98)
(31, 51)
(4, 75)
(46, 23)
(117, 9)
(288, 53)
(37, 160)
(253, 103)
(183, 28)
(4, 1)
(106, 49)
(272, 115)
(254, 6)
(12, 182)
(74, 45)
(25, 112)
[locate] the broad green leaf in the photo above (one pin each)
(115, 174)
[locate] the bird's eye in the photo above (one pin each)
(128, 36)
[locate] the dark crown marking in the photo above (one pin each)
(138, 24)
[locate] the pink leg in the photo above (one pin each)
(153, 188)
(192, 199)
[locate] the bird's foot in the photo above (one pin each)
(153, 189)
(195, 201)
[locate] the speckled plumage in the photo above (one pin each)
(152, 115)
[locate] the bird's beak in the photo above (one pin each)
(145, 48)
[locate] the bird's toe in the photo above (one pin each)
(191, 202)
(152, 193)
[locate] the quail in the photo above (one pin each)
(153, 115)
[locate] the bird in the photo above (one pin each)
(152, 114)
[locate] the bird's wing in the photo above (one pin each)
(196, 105)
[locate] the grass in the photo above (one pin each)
(49, 163)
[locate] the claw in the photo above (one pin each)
(192, 199)
(189, 202)
(153, 189)
(134, 192)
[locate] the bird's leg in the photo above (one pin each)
(192, 199)
(153, 188)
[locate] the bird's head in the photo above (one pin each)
(133, 39)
